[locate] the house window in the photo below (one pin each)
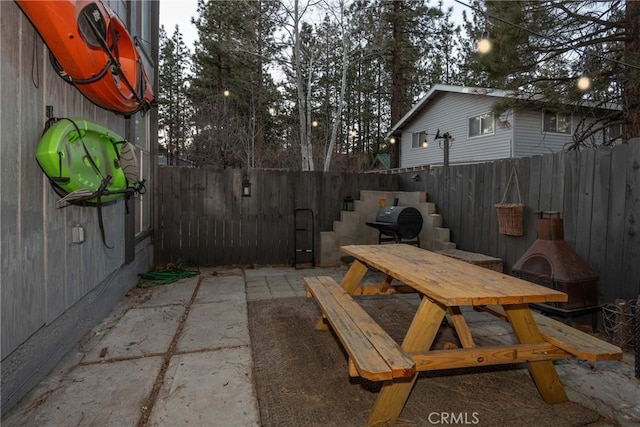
(556, 122)
(613, 132)
(481, 125)
(419, 140)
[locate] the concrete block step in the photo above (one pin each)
(435, 220)
(441, 234)
(428, 207)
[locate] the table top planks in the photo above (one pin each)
(450, 281)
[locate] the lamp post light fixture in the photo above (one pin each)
(392, 140)
(314, 123)
(226, 92)
(246, 185)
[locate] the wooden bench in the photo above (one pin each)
(473, 258)
(567, 338)
(373, 354)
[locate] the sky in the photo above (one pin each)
(180, 12)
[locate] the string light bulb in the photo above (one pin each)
(484, 44)
(584, 83)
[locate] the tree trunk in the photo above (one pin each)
(259, 111)
(631, 97)
(397, 78)
(308, 108)
(343, 89)
(302, 116)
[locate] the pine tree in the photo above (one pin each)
(541, 49)
(228, 87)
(173, 104)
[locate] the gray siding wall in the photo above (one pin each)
(531, 141)
(45, 277)
(450, 112)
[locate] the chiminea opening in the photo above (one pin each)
(551, 262)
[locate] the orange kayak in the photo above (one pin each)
(92, 49)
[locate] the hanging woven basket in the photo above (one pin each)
(511, 215)
(510, 218)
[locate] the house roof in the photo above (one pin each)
(431, 95)
(439, 88)
(384, 159)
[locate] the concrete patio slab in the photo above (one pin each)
(179, 292)
(140, 332)
(215, 325)
(221, 288)
(608, 386)
(103, 394)
(207, 389)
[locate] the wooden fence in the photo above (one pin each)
(597, 191)
(202, 217)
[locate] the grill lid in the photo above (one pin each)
(405, 221)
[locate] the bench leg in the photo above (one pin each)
(543, 372)
(419, 338)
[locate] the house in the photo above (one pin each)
(58, 279)
(477, 134)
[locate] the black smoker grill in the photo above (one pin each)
(398, 224)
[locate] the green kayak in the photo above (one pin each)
(87, 163)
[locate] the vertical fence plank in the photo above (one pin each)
(533, 201)
(547, 184)
(585, 203)
(598, 234)
(517, 246)
(479, 206)
(490, 227)
(558, 183)
(630, 284)
(570, 209)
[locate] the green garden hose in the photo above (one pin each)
(165, 276)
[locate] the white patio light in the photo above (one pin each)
(484, 44)
(584, 83)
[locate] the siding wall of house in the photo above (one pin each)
(53, 291)
(450, 112)
(531, 141)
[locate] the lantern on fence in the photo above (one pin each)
(246, 185)
(347, 204)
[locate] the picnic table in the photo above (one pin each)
(446, 285)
